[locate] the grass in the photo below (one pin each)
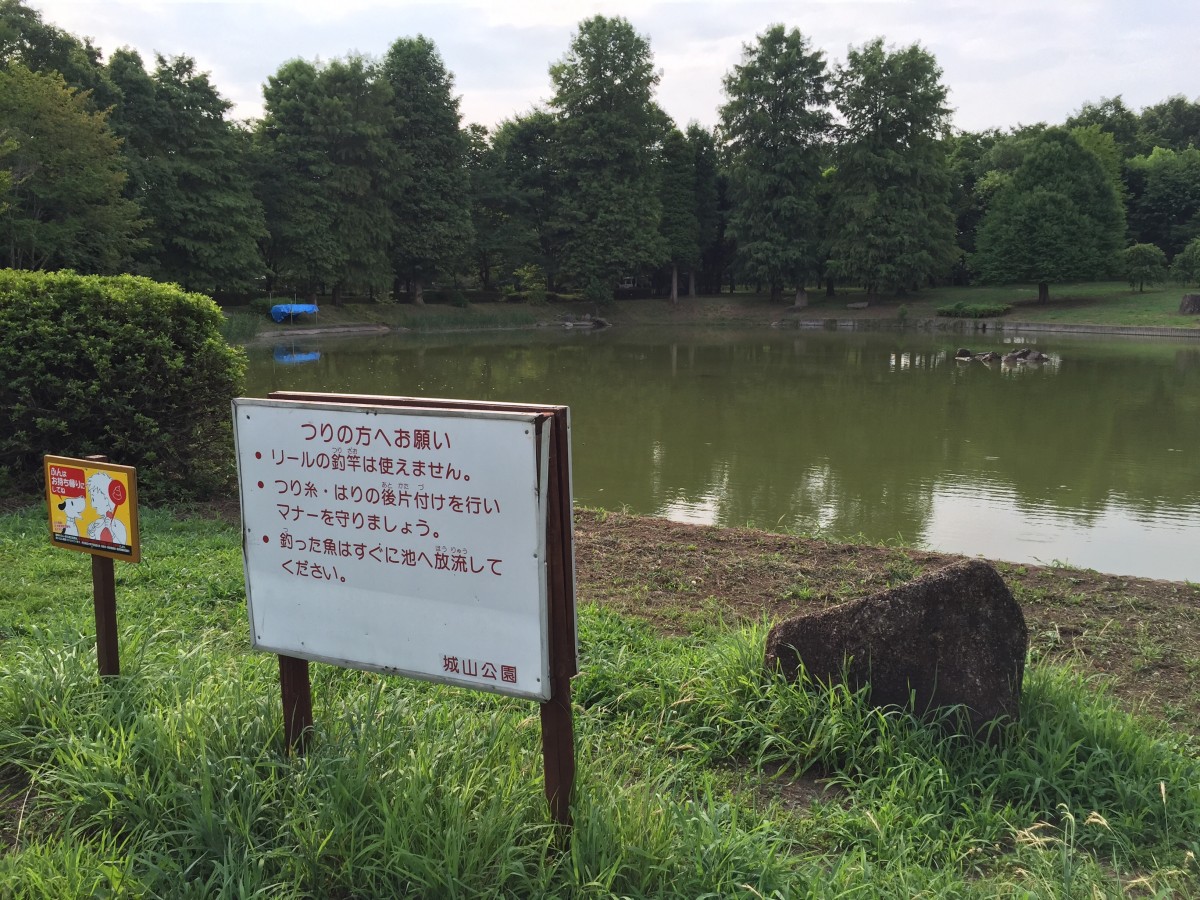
(170, 781)
(1093, 303)
(962, 310)
(1096, 303)
(244, 323)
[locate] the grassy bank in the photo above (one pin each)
(699, 775)
(1098, 303)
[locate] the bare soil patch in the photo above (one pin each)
(1141, 636)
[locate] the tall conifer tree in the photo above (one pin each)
(431, 215)
(891, 224)
(774, 124)
(609, 133)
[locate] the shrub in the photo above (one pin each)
(122, 366)
(533, 283)
(962, 310)
(1186, 269)
(1144, 264)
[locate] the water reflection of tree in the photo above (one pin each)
(850, 432)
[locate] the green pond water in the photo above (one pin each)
(1088, 459)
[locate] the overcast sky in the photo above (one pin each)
(1005, 62)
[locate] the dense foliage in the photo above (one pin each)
(1144, 264)
(775, 125)
(118, 365)
(608, 125)
(63, 207)
(1056, 219)
(891, 227)
(362, 179)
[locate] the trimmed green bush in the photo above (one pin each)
(962, 310)
(122, 366)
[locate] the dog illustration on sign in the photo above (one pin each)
(106, 495)
(72, 508)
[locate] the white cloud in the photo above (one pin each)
(1005, 63)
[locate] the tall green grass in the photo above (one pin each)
(240, 325)
(170, 781)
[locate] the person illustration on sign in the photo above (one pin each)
(106, 495)
(72, 508)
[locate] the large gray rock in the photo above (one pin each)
(955, 636)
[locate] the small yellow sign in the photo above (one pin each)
(93, 507)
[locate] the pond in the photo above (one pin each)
(1087, 459)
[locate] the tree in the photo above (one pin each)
(609, 129)
(710, 225)
(188, 173)
(328, 174)
(431, 216)
(44, 48)
(1164, 197)
(1057, 219)
(774, 125)
(1115, 118)
(979, 163)
(366, 172)
(293, 181)
(1144, 263)
(65, 176)
(525, 154)
(891, 226)
(1173, 124)
(1101, 145)
(487, 203)
(1186, 268)
(680, 227)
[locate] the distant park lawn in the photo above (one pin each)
(1093, 303)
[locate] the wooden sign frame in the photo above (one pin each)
(558, 739)
(122, 480)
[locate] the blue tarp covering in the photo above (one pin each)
(289, 356)
(282, 311)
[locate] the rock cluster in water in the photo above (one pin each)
(1024, 355)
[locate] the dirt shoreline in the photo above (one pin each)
(1140, 636)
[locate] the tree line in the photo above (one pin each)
(360, 178)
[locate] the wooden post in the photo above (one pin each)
(104, 599)
(558, 729)
(296, 691)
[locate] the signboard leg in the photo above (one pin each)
(297, 702)
(558, 752)
(104, 596)
(558, 731)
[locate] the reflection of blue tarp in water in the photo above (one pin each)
(290, 356)
(281, 311)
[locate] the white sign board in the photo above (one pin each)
(399, 540)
